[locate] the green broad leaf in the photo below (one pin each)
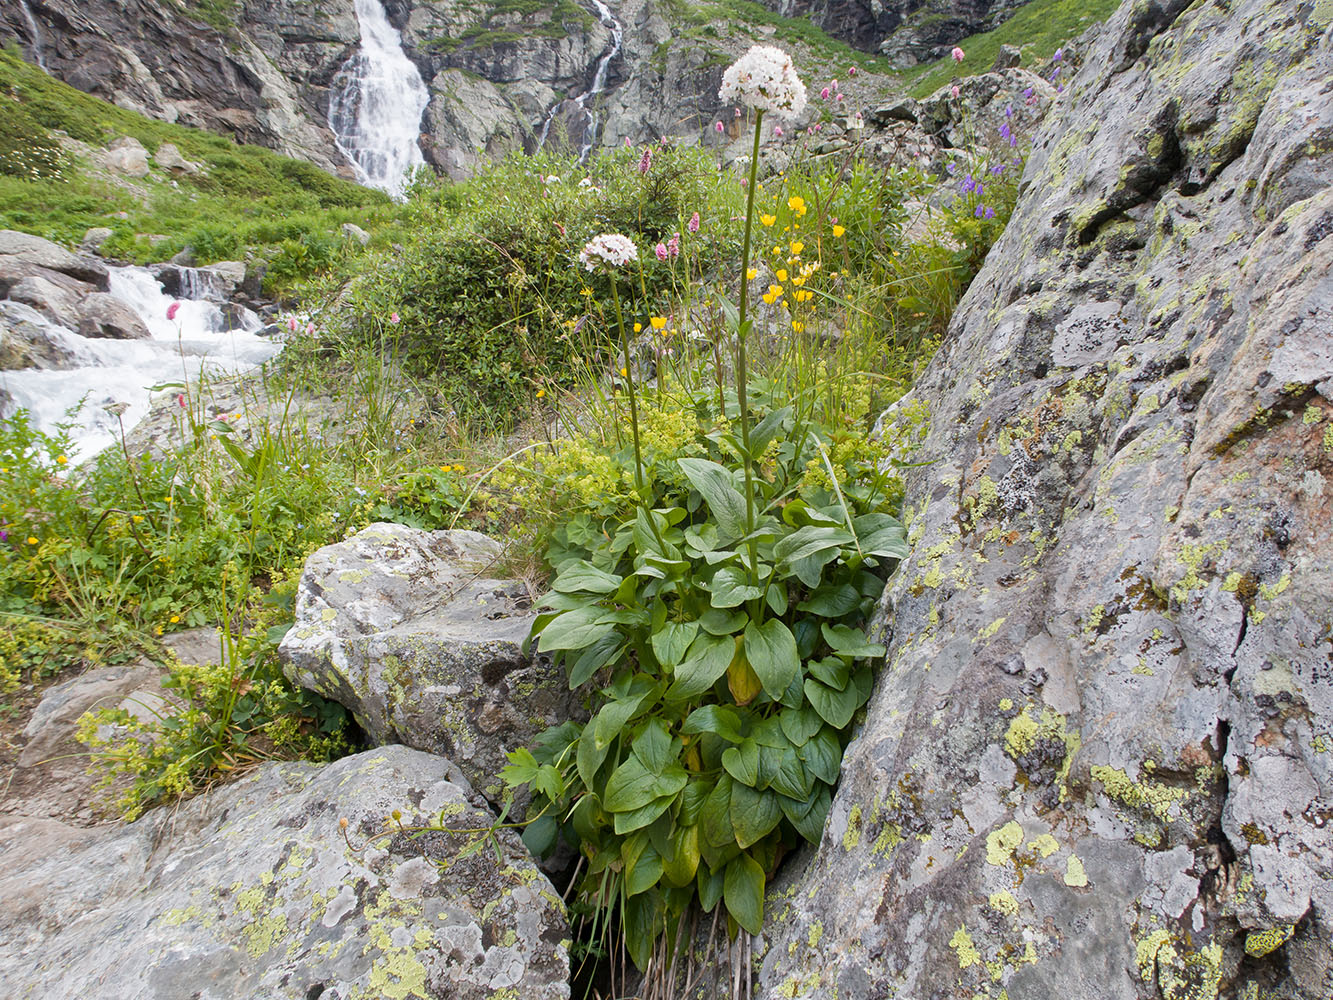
(868, 584)
(549, 782)
(770, 649)
(653, 746)
(822, 755)
(605, 650)
(864, 682)
(742, 763)
(776, 596)
(632, 786)
(719, 621)
(590, 756)
(731, 588)
(832, 670)
(583, 575)
(613, 716)
(831, 601)
(643, 870)
(716, 818)
(707, 660)
(834, 707)
(810, 541)
(679, 868)
(714, 719)
(539, 836)
(766, 430)
(521, 770)
(851, 642)
(714, 483)
(808, 815)
(791, 777)
(672, 640)
(799, 724)
(743, 890)
(709, 885)
(588, 817)
(810, 571)
(754, 814)
(881, 535)
(701, 538)
(692, 801)
(644, 923)
(575, 629)
(768, 733)
(637, 819)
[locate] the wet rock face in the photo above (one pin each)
(253, 891)
(910, 31)
(411, 631)
(1097, 763)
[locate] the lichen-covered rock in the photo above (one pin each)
(1098, 762)
(252, 891)
(410, 631)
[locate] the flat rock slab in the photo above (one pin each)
(252, 891)
(408, 630)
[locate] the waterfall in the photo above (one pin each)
(598, 82)
(38, 43)
(376, 103)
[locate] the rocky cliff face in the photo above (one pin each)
(1097, 764)
(908, 31)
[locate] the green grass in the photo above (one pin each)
(746, 15)
(1039, 28)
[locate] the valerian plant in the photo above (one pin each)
(719, 618)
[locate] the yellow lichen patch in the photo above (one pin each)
(852, 835)
(1160, 799)
(1265, 942)
(816, 932)
(1045, 845)
(961, 943)
(1004, 902)
(1075, 876)
(1001, 843)
(1146, 950)
(1006, 704)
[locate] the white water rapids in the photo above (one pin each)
(598, 83)
(106, 372)
(38, 41)
(376, 102)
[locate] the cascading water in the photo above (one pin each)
(38, 41)
(598, 83)
(377, 100)
(104, 373)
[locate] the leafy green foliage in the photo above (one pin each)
(727, 662)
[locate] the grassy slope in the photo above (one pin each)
(245, 198)
(1039, 28)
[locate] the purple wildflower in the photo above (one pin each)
(646, 161)
(693, 224)
(981, 210)
(990, 212)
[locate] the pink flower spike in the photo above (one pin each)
(851, 71)
(718, 126)
(823, 94)
(180, 400)
(394, 318)
(628, 144)
(957, 54)
(661, 251)
(954, 91)
(310, 329)
(693, 224)
(292, 324)
(172, 310)
(738, 112)
(777, 131)
(842, 96)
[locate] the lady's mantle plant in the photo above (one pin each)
(719, 617)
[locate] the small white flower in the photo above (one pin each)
(765, 79)
(610, 250)
(551, 179)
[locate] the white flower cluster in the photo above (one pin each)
(765, 79)
(608, 251)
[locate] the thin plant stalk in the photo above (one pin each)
(741, 334)
(629, 383)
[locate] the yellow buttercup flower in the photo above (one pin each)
(775, 290)
(797, 204)
(638, 327)
(798, 326)
(770, 298)
(768, 220)
(175, 618)
(839, 230)
(624, 373)
(796, 248)
(751, 274)
(137, 518)
(782, 274)
(32, 539)
(541, 393)
(61, 460)
(658, 322)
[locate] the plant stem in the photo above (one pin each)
(629, 382)
(741, 377)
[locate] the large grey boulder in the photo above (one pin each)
(413, 633)
(1097, 764)
(59, 305)
(33, 251)
(28, 340)
(103, 315)
(252, 891)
